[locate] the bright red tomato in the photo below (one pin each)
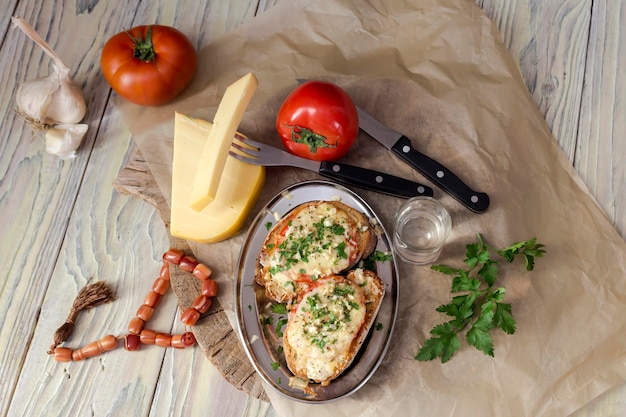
(318, 121)
(149, 65)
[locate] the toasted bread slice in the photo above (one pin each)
(328, 326)
(314, 240)
(373, 289)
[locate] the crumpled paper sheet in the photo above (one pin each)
(436, 71)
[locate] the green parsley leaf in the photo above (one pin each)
(369, 263)
(279, 326)
(480, 339)
(275, 365)
(279, 308)
(443, 344)
(478, 307)
(504, 319)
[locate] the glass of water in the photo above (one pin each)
(421, 227)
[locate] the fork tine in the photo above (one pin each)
(252, 152)
(247, 159)
(248, 141)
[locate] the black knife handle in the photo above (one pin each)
(440, 175)
(373, 180)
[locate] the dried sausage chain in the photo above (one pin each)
(137, 332)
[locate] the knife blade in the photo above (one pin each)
(431, 169)
(343, 173)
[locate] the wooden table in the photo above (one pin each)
(62, 223)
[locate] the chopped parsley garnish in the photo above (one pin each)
(325, 318)
(279, 308)
(369, 263)
(302, 242)
(341, 250)
(279, 326)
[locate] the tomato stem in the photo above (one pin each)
(311, 139)
(143, 48)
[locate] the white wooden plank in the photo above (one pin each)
(120, 240)
(548, 39)
(37, 190)
(601, 148)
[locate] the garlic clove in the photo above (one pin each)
(62, 140)
(67, 104)
(33, 97)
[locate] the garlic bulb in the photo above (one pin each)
(53, 100)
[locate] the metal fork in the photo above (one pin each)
(257, 153)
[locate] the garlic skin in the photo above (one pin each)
(52, 99)
(53, 103)
(63, 139)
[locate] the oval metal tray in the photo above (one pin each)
(260, 329)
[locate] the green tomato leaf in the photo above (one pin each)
(311, 139)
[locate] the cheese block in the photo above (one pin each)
(225, 215)
(212, 160)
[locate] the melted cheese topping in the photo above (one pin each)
(366, 281)
(324, 326)
(316, 243)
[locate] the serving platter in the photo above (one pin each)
(260, 323)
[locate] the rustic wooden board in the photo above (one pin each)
(214, 333)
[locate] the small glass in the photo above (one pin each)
(420, 230)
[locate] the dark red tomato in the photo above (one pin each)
(318, 121)
(149, 65)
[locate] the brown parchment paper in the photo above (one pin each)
(436, 71)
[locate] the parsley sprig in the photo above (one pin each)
(479, 307)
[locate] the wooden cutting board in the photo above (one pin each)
(213, 332)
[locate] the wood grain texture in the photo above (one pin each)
(548, 39)
(62, 223)
(106, 235)
(36, 188)
(600, 147)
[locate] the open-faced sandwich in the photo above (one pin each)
(309, 261)
(328, 326)
(314, 240)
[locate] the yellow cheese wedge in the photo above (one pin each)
(213, 155)
(241, 185)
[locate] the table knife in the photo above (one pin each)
(369, 179)
(431, 169)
